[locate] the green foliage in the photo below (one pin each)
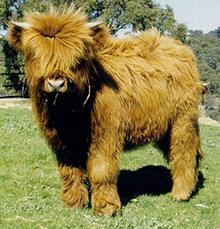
(30, 185)
(218, 32)
(136, 15)
(180, 32)
(5, 12)
(2, 61)
(35, 5)
(13, 66)
(13, 61)
(118, 14)
(207, 50)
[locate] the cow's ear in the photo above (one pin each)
(99, 32)
(15, 30)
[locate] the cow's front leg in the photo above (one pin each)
(103, 171)
(104, 153)
(74, 190)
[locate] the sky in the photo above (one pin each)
(196, 14)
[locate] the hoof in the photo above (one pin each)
(106, 201)
(180, 195)
(76, 197)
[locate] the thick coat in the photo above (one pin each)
(94, 94)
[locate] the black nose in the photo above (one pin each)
(56, 85)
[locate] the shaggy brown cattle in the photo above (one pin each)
(93, 94)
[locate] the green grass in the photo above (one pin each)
(30, 185)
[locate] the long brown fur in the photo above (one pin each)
(120, 91)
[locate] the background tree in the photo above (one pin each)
(207, 49)
(131, 14)
(180, 32)
(13, 61)
(218, 32)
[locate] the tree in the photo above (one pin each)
(119, 14)
(180, 32)
(218, 32)
(207, 49)
(13, 61)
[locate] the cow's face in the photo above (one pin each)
(56, 47)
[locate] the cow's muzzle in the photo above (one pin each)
(56, 85)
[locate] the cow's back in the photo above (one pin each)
(158, 80)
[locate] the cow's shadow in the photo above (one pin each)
(149, 180)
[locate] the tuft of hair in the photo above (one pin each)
(61, 34)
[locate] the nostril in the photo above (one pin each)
(62, 84)
(50, 83)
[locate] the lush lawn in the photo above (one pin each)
(30, 185)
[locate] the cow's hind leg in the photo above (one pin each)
(74, 191)
(183, 157)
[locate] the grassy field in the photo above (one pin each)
(30, 185)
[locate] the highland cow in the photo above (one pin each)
(93, 94)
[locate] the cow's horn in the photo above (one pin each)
(94, 24)
(206, 84)
(23, 25)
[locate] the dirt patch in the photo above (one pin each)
(208, 121)
(15, 103)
